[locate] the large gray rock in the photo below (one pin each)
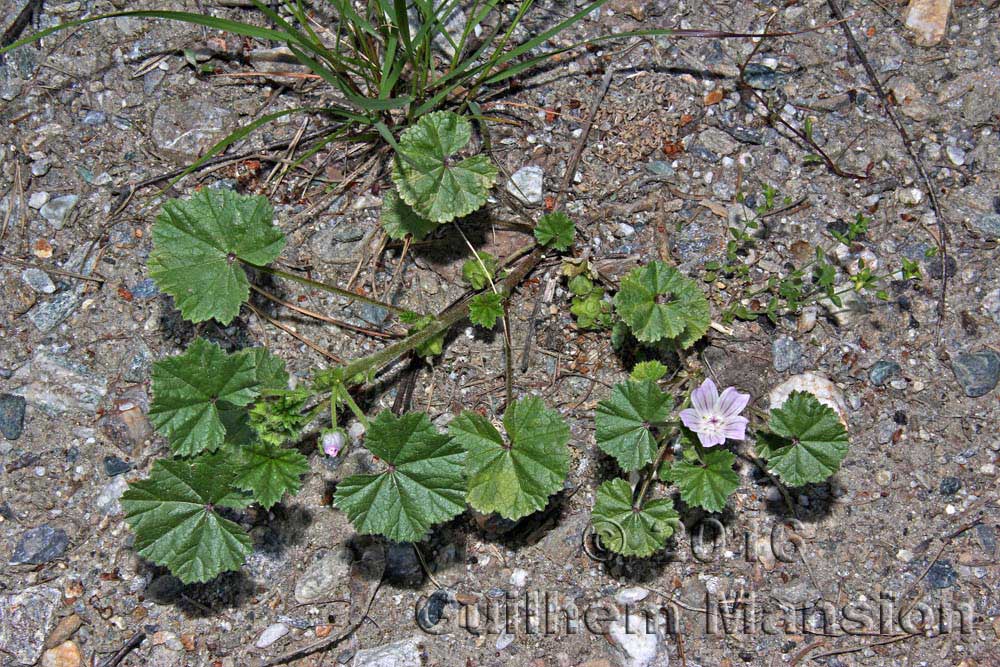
(56, 385)
(25, 621)
(323, 578)
(40, 545)
(405, 653)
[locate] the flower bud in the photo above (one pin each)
(333, 442)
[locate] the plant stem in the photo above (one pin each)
(660, 455)
(333, 289)
(446, 319)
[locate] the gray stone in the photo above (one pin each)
(38, 280)
(632, 637)
(660, 168)
(718, 142)
(114, 466)
(41, 167)
(40, 545)
(787, 354)
(977, 372)
(138, 363)
(405, 653)
(987, 535)
(95, 118)
(950, 486)
(25, 621)
(38, 200)
(941, 575)
(183, 130)
(988, 224)
(57, 385)
(57, 210)
(527, 184)
(321, 579)
(271, 634)
(882, 371)
(107, 501)
(763, 77)
(11, 416)
(47, 315)
(144, 289)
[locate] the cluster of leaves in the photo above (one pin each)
(430, 476)
(656, 306)
(805, 282)
(226, 455)
(636, 425)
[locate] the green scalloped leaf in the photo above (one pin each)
(422, 485)
(193, 391)
(657, 302)
(173, 513)
(555, 230)
(812, 444)
(629, 530)
(514, 477)
(485, 309)
(399, 220)
(199, 244)
(648, 370)
(706, 486)
(625, 419)
(269, 472)
(434, 185)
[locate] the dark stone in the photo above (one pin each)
(941, 575)
(430, 613)
(977, 372)
(950, 486)
(883, 371)
(115, 466)
(987, 538)
(11, 416)
(145, 289)
(762, 77)
(900, 418)
(40, 545)
(402, 566)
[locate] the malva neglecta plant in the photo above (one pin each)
(233, 423)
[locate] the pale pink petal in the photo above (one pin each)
(704, 397)
(711, 439)
(690, 418)
(736, 428)
(732, 402)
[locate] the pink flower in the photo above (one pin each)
(333, 442)
(715, 418)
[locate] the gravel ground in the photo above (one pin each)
(908, 524)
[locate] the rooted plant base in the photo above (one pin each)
(672, 144)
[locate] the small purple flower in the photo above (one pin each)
(715, 418)
(333, 442)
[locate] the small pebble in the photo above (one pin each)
(271, 634)
(949, 486)
(977, 372)
(38, 280)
